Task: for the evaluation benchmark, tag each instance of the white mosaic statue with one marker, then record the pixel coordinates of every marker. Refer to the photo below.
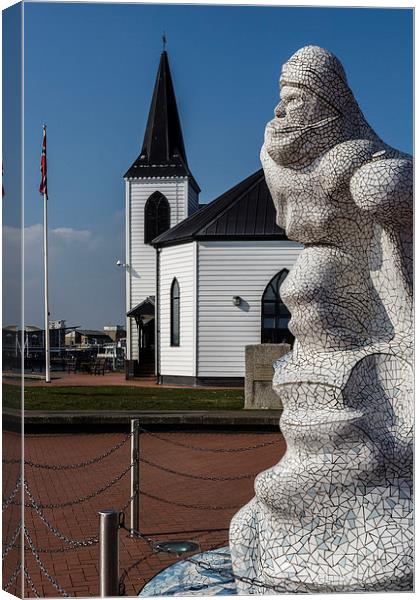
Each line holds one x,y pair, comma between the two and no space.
335,514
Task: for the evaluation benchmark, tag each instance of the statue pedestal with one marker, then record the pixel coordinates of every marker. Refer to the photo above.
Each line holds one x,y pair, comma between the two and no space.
335,514
211,577
259,371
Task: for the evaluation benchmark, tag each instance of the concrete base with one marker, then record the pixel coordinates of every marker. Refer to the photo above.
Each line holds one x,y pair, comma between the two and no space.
259,372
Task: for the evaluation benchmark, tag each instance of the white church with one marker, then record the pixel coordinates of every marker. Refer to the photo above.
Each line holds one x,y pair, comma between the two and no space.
202,281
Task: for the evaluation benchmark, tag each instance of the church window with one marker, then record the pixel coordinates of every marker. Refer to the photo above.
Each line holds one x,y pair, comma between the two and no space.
175,310
275,315
157,216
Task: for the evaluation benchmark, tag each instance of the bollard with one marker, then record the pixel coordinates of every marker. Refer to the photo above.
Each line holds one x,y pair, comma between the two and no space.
134,490
108,553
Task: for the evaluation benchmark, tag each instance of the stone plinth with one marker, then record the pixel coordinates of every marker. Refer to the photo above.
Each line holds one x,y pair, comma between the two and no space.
259,372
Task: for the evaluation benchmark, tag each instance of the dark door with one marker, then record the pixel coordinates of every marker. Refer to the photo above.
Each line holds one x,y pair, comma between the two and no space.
146,348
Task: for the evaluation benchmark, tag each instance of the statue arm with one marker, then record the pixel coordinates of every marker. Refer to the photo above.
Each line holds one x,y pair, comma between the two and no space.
384,189
271,169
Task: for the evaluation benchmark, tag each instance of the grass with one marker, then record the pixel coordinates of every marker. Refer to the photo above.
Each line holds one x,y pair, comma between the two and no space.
122,398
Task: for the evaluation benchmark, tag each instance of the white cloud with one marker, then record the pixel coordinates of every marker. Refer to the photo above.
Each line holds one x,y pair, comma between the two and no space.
86,288
71,235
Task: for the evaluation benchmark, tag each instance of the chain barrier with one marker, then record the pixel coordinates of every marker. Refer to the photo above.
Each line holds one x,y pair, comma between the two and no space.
127,571
12,542
30,582
10,499
74,543
42,567
202,477
152,543
185,505
80,465
83,498
127,504
202,449
12,577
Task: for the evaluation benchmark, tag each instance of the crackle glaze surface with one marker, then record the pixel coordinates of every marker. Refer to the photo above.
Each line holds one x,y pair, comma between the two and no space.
335,514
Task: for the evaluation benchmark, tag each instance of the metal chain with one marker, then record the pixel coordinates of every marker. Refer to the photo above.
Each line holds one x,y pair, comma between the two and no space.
12,577
127,571
75,543
203,477
80,465
184,505
202,449
58,550
30,582
15,490
152,543
131,498
43,570
11,461
12,541
83,498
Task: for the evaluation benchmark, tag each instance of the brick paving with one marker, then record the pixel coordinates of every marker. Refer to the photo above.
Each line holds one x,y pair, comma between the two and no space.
77,570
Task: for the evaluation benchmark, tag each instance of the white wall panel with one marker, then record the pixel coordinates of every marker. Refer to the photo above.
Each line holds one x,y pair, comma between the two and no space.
227,269
178,261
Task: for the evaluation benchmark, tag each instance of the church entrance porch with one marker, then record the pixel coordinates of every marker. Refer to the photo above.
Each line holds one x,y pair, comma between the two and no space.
144,365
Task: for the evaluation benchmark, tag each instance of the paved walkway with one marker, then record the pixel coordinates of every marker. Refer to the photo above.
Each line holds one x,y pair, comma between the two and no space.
62,378
76,570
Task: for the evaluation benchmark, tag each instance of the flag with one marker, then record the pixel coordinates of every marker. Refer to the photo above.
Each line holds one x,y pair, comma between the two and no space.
43,185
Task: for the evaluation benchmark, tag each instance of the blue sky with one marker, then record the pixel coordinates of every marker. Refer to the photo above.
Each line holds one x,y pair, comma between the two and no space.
89,74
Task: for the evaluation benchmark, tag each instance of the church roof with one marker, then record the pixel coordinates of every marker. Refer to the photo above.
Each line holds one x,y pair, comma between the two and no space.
246,211
163,151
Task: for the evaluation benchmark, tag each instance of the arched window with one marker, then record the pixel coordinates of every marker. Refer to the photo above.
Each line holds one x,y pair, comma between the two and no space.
175,299
275,315
157,216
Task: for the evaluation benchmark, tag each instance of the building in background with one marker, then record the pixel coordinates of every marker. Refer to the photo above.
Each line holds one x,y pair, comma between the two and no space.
200,284
115,332
219,274
87,337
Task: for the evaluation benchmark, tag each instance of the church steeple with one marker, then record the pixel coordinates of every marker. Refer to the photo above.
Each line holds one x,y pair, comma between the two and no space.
163,151
163,138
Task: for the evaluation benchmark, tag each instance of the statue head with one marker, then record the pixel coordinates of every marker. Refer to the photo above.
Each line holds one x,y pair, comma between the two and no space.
317,109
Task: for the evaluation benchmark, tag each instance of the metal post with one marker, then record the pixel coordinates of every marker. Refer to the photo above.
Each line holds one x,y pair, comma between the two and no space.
108,553
134,490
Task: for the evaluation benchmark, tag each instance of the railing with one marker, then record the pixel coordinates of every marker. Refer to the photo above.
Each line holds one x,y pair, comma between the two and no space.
111,521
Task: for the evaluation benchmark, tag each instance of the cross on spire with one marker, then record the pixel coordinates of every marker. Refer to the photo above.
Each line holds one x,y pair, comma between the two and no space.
164,40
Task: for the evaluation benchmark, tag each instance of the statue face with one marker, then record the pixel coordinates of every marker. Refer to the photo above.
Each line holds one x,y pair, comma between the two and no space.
302,126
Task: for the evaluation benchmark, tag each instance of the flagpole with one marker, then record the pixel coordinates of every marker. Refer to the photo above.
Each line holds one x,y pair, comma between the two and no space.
46,305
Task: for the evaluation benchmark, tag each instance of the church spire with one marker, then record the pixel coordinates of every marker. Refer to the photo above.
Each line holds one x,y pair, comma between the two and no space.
163,138
163,151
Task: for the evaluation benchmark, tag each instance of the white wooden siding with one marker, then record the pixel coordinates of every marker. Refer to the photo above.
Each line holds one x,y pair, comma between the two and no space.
227,269
179,262
141,257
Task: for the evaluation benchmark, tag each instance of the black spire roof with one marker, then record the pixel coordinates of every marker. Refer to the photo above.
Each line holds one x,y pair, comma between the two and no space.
163,152
246,211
